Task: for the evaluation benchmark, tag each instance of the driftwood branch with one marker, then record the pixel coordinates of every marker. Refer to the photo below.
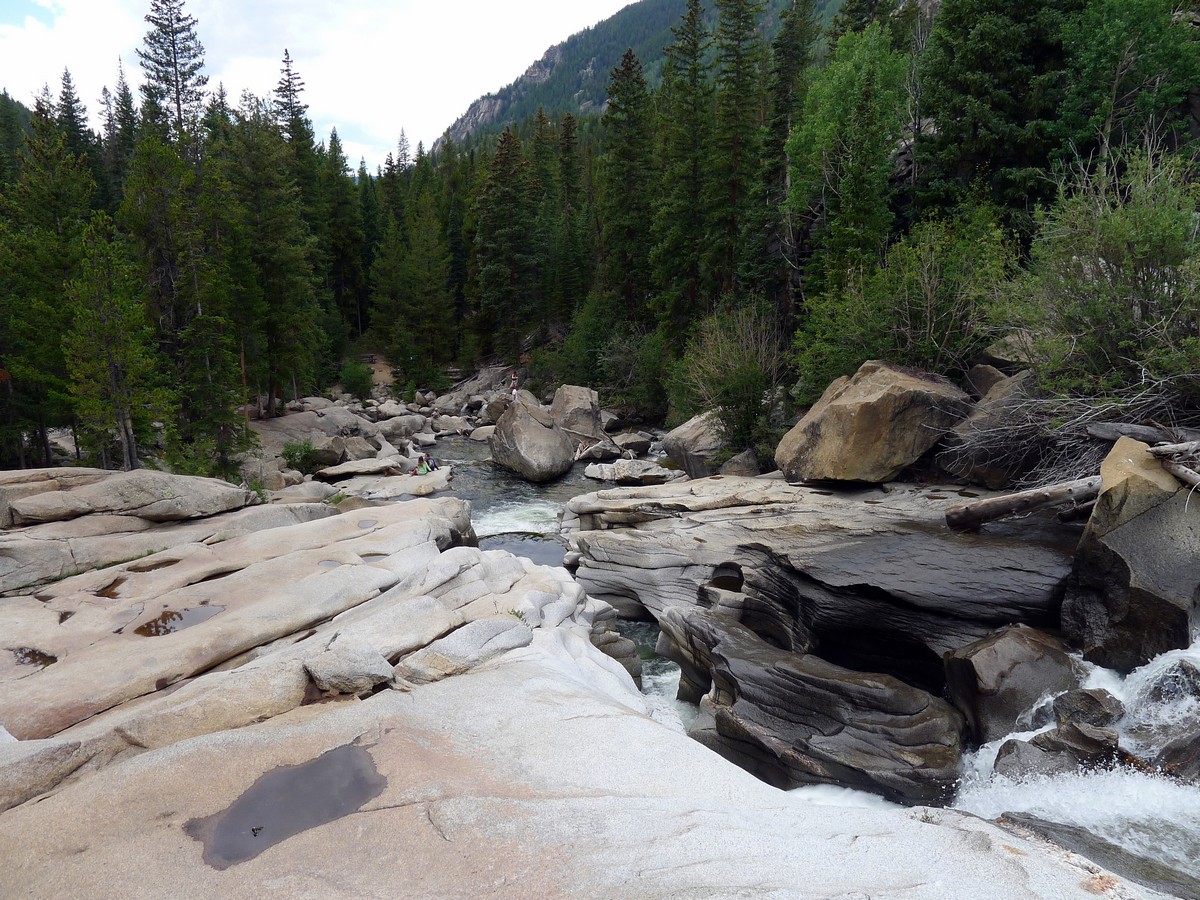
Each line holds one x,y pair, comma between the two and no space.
969,516
1188,448
1182,472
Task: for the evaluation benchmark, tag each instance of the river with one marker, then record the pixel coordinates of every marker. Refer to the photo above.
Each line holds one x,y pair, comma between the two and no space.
1150,815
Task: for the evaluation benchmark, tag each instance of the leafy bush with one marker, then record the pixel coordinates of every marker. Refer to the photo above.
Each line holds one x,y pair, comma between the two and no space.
1111,292
733,365
929,306
357,379
299,455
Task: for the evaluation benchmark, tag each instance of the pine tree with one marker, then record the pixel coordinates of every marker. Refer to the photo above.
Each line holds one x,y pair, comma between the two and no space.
108,348
993,82
424,277
42,214
72,118
504,253
343,217
734,150
680,211
627,170
288,334
172,62
771,265
120,136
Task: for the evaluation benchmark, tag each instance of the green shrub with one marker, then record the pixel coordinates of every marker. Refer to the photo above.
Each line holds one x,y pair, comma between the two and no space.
733,365
357,379
299,455
929,306
1111,292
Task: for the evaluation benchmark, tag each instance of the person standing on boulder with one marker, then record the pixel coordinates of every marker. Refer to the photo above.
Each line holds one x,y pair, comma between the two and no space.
513,384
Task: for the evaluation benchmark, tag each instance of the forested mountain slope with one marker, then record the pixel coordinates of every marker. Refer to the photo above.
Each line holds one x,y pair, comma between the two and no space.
573,76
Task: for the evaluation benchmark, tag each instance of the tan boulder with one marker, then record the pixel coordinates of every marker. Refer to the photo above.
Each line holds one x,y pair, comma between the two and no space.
872,426
576,410
694,445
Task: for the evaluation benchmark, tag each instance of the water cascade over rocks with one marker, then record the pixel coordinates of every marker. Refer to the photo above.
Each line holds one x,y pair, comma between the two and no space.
480,708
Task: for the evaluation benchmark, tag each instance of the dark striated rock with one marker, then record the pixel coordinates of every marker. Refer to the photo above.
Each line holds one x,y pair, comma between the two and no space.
795,719
1178,681
1094,706
995,680
868,580
1181,758
1136,580
1019,759
1090,745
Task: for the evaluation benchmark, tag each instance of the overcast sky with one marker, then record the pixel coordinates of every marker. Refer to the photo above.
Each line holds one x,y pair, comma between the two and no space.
371,67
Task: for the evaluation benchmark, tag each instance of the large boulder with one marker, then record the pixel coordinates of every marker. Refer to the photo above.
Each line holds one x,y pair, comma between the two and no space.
695,444
576,410
1136,579
968,455
867,579
145,493
528,442
995,680
795,719
872,426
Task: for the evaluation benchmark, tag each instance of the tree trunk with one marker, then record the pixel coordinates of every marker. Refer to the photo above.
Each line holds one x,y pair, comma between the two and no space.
969,516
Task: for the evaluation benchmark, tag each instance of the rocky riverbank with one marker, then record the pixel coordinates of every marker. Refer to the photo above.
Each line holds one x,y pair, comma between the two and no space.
355,700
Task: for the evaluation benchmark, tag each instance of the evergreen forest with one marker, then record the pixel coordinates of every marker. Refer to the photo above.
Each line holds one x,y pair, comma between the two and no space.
783,200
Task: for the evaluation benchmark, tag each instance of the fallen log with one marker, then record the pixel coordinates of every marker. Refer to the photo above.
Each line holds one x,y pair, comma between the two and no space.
969,516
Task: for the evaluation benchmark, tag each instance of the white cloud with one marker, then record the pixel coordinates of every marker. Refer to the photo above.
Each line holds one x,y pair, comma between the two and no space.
371,67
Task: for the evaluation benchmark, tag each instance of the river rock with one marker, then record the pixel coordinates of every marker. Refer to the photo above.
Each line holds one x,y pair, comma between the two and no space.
744,464
632,442
1093,706
1181,758
361,467
1135,581
144,493
632,471
528,442
576,410
871,426
1090,745
20,483
867,579
451,425
464,649
966,456
694,445
1019,760
306,492
794,719
994,680
348,666
402,427
483,433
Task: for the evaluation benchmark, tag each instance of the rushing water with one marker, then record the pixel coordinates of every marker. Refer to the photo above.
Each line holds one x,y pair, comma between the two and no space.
1150,815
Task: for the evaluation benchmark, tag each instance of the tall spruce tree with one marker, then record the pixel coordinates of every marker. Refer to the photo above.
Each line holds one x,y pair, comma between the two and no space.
627,171
685,101
172,62
344,277
42,214
771,265
109,348
734,149
993,81
504,255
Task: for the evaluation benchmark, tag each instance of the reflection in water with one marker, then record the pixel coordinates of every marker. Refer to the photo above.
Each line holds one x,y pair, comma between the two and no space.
287,801
545,551
173,620
28,656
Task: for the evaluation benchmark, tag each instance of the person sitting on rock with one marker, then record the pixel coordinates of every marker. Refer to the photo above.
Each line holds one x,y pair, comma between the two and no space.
422,465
